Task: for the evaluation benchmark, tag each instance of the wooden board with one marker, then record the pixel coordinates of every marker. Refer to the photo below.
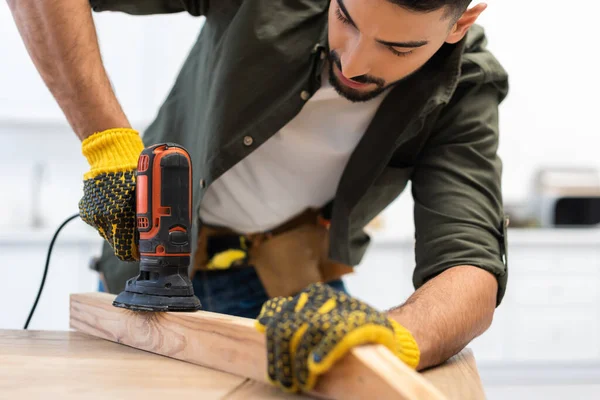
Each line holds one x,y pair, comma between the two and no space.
233,345
74,365
458,378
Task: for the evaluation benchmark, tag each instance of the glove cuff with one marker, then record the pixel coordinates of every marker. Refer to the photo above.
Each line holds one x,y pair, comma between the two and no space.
112,150
407,348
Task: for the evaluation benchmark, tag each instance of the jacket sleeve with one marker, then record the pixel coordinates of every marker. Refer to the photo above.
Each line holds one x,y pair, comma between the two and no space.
146,7
456,186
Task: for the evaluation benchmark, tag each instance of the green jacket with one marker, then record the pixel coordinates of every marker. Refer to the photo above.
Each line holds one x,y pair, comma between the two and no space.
252,68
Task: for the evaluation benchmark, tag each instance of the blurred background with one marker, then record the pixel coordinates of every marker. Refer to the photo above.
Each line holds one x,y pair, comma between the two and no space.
545,339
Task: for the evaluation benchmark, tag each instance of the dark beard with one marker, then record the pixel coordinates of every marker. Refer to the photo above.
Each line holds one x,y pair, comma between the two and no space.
352,94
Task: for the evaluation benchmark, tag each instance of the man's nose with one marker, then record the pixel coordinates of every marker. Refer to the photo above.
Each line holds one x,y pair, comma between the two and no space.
355,60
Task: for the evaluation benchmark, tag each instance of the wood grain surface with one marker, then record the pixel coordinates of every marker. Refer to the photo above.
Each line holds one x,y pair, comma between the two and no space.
74,365
457,378
232,344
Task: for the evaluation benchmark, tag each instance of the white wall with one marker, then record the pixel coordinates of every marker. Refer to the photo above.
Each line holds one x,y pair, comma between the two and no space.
141,54
549,49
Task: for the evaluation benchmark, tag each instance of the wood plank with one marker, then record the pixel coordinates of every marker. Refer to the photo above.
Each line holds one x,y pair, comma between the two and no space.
458,377
233,345
73,365
254,390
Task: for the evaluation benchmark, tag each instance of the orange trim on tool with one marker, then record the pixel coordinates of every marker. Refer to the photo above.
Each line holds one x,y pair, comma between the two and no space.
142,194
164,210
143,162
142,223
156,190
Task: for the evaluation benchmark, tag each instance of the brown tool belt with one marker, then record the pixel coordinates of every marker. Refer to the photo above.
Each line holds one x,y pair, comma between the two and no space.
286,259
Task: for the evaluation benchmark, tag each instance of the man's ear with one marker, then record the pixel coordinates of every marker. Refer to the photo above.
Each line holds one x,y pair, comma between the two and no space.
460,28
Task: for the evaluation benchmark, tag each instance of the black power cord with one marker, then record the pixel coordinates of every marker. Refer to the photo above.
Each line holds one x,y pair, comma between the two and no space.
46,268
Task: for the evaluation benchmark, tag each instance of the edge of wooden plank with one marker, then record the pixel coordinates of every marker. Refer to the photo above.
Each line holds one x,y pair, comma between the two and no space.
232,344
458,377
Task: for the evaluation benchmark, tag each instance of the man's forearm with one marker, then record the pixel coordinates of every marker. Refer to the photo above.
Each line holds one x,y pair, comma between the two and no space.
60,38
449,311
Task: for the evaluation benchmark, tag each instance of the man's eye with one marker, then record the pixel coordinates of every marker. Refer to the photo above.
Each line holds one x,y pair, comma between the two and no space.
400,53
339,16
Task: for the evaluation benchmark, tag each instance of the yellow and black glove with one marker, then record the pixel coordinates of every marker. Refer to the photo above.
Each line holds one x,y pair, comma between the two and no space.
308,333
108,202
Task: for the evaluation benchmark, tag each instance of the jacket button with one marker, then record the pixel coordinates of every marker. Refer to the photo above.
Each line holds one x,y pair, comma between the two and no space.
304,95
202,183
248,140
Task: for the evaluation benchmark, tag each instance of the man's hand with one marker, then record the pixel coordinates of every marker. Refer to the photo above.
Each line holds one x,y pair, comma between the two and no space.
308,333
108,202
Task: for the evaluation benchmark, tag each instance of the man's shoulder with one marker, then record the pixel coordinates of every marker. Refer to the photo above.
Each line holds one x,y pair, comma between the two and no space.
478,63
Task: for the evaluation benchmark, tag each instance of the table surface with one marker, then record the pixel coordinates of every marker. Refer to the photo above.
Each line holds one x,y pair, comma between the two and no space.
74,365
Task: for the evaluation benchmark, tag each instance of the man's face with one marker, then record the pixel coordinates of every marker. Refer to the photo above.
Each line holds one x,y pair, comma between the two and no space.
374,44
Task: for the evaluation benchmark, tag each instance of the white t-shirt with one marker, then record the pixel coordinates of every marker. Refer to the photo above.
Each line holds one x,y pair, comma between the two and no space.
298,167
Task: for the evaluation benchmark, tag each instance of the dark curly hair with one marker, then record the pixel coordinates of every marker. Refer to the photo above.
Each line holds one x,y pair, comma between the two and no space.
455,8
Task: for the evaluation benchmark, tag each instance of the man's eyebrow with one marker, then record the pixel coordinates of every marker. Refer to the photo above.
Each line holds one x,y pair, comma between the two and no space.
411,44
345,11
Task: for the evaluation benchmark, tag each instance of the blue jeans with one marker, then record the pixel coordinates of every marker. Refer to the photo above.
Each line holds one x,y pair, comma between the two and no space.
237,291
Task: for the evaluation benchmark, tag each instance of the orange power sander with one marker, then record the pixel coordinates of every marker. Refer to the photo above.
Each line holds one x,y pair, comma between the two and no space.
164,215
